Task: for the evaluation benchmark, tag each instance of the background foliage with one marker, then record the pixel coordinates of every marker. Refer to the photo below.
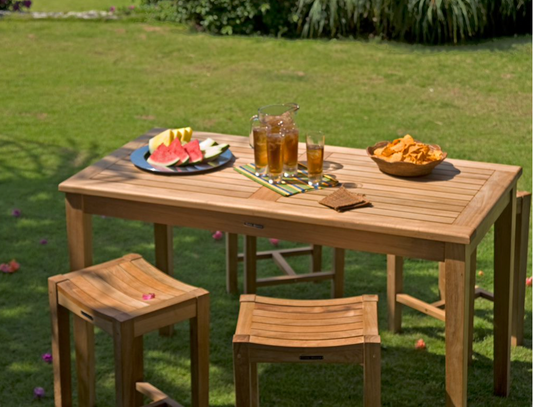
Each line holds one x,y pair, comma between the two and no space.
426,21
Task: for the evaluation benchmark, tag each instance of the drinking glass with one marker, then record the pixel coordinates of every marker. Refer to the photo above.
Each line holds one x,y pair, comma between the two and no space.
290,150
275,157
315,157
258,141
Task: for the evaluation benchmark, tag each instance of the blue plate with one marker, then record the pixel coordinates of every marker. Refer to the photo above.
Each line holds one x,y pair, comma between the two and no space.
139,156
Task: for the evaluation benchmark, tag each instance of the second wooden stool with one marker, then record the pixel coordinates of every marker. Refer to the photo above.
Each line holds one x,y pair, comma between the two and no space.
273,330
126,298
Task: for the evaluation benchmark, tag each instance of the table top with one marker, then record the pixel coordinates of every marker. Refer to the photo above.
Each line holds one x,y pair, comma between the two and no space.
449,205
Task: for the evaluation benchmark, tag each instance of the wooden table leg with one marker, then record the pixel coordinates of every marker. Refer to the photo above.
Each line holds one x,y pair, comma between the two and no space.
199,333
459,278
232,263
394,286
164,259
504,236
79,233
316,259
250,264
338,269
520,267
85,361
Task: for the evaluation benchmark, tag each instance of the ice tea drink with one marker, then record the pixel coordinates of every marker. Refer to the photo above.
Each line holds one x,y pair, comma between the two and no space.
260,149
290,151
315,158
275,157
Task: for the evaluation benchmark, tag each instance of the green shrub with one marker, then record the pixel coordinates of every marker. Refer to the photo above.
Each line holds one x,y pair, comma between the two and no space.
425,21
230,16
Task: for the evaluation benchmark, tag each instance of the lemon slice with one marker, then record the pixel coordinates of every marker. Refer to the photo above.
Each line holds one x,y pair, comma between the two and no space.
165,137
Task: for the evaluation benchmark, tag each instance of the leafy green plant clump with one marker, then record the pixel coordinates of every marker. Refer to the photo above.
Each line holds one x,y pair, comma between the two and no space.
425,21
14,5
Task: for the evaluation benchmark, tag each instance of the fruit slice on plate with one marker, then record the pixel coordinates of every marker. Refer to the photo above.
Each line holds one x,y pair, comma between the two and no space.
184,134
177,148
204,145
212,152
163,157
193,149
166,137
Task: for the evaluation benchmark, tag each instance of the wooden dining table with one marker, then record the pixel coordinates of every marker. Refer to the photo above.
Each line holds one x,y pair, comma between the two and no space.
440,217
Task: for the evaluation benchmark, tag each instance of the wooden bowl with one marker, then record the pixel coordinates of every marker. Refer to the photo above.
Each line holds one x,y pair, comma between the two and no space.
402,168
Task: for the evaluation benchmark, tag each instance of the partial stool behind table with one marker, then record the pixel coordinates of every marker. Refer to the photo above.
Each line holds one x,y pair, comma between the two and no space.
271,330
110,296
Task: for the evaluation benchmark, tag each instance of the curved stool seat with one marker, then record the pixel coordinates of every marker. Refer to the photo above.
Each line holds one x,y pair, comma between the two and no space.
127,298
273,330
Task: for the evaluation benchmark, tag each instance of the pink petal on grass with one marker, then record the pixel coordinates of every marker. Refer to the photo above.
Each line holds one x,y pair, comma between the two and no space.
420,345
16,213
132,7
218,235
529,281
274,242
38,392
112,9
148,297
5,268
43,241
13,266
47,357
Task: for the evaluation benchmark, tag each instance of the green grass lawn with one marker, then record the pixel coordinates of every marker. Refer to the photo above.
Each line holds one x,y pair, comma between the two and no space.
76,5
74,91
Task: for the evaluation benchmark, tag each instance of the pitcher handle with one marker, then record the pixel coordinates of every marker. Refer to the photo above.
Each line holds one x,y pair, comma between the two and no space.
254,118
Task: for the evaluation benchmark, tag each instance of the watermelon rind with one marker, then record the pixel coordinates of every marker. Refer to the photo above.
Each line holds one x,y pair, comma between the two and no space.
223,147
167,163
212,153
207,143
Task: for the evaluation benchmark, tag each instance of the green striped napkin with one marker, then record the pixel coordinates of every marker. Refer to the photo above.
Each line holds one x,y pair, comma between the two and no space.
289,186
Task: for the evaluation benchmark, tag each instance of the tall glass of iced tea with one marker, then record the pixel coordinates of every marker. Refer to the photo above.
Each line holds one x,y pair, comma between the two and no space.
258,141
275,157
290,150
315,157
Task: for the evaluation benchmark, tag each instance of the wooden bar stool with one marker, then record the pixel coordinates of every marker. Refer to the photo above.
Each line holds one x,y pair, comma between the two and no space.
396,297
273,330
110,296
250,257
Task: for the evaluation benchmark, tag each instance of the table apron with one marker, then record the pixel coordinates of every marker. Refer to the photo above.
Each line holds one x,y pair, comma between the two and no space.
344,238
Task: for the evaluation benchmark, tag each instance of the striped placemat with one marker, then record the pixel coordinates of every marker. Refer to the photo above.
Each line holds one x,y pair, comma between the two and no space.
289,186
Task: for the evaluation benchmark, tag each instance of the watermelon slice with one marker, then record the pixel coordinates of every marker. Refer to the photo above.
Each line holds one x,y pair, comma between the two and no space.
163,157
176,148
193,149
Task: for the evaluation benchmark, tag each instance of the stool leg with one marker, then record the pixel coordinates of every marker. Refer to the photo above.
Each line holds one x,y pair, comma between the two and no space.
164,259
372,375
232,263
128,365
84,344
250,264
242,371
338,270
394,286
60,347
254,385
199,329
